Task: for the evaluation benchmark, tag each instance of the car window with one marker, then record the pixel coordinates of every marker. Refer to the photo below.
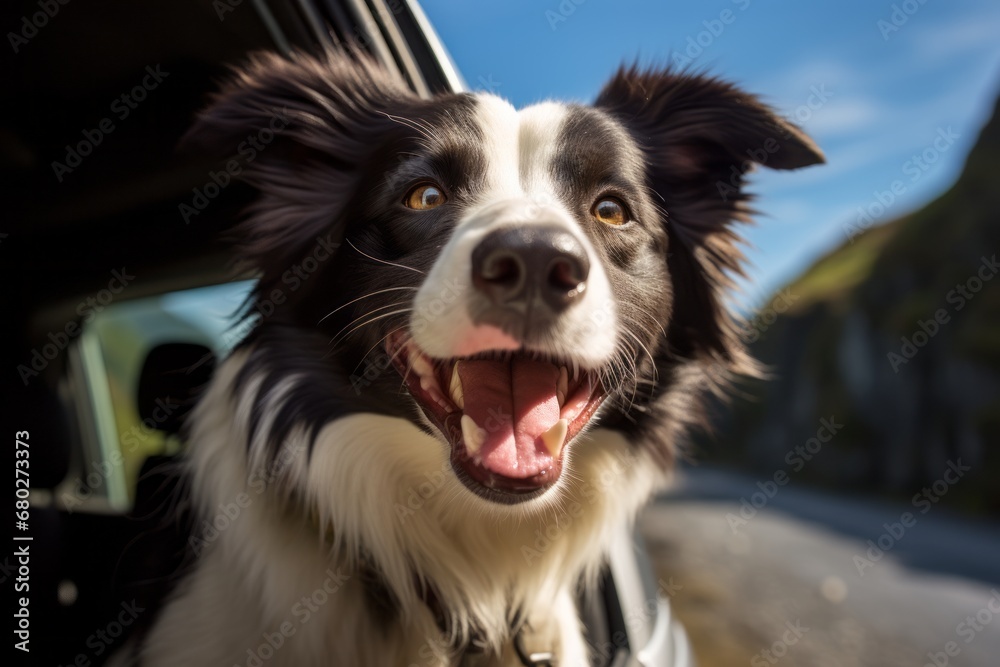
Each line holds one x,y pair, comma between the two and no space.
113,347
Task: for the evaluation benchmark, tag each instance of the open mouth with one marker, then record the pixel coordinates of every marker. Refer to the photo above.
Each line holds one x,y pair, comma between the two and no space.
508,416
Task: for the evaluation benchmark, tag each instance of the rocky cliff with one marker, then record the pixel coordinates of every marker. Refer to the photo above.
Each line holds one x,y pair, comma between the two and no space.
896,336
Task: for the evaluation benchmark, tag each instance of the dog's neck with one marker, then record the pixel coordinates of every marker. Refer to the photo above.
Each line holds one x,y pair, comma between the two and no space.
474,649
482,566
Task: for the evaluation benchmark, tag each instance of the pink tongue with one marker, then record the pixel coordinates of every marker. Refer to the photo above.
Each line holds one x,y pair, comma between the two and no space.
511,421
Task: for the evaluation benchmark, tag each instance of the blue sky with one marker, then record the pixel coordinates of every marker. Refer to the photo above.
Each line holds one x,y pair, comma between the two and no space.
889,92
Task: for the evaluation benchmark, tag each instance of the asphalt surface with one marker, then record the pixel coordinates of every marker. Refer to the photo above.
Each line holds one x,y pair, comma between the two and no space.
789,576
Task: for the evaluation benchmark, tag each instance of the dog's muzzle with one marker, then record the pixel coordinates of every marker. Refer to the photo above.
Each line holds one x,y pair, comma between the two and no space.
526,277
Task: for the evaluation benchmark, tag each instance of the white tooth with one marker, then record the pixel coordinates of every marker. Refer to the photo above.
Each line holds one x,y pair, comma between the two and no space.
420,364
430,386
472,434
555,437
563,385
456,390
576,370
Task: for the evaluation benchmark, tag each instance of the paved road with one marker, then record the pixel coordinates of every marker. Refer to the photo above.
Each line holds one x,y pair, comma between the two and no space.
752,582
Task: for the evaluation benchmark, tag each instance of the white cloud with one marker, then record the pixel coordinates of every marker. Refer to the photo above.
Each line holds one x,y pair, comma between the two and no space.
790,88
846,115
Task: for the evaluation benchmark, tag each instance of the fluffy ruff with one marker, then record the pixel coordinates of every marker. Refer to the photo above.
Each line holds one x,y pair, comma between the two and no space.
382,497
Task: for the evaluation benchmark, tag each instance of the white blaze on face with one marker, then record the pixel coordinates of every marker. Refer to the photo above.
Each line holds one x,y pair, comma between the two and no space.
519,149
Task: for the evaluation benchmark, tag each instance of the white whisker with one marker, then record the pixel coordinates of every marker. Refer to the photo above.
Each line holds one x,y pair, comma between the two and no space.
382,261
372,348
365,296
370,321
366,314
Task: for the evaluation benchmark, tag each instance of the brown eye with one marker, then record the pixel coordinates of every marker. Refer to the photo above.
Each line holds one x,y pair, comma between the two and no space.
425,197
610,211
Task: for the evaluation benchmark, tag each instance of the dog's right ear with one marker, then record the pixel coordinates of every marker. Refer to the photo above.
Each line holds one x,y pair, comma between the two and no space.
300,130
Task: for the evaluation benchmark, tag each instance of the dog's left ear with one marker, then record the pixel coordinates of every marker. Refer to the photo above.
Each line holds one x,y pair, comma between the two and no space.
700,136
301,130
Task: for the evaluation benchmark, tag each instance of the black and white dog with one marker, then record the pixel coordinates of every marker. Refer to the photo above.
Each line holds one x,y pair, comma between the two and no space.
507,322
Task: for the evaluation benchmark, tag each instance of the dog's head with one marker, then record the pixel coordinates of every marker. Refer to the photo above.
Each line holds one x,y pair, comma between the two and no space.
503,279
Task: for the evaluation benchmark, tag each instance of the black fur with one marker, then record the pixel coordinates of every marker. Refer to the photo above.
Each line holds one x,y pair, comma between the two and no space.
661,141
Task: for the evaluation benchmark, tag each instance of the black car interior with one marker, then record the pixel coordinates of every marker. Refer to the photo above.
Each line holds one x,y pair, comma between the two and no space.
65,230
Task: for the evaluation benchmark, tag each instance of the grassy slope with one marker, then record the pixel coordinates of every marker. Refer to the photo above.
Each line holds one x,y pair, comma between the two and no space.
936,243
889,279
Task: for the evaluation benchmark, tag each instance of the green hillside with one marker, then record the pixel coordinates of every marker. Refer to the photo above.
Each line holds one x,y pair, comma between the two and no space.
897,334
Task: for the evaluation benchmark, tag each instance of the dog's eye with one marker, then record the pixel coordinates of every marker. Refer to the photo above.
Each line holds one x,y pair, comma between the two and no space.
610,211
425,197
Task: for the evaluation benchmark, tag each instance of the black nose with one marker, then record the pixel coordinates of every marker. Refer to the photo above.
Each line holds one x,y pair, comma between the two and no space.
516,265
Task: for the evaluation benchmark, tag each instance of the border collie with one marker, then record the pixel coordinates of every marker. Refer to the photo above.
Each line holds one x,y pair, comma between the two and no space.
491,329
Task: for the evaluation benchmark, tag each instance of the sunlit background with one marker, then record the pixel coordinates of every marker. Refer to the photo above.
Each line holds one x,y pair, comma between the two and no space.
885,90
844,512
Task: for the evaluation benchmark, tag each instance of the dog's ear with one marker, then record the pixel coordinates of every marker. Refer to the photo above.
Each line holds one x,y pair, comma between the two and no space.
700,136
301,131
